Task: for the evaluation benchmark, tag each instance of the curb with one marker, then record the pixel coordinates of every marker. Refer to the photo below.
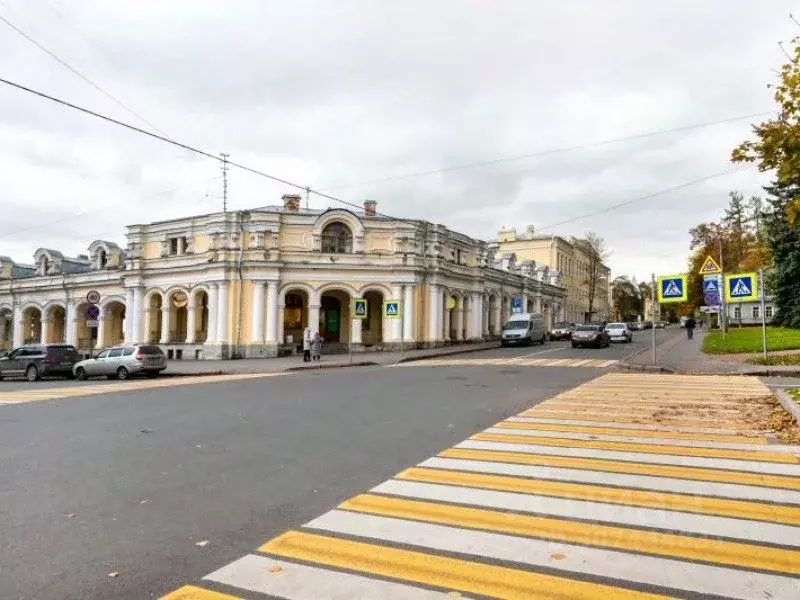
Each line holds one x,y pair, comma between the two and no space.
363,363
789,404
644,368
451,353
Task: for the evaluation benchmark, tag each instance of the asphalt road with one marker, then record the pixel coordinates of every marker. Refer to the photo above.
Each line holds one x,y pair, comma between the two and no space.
129,483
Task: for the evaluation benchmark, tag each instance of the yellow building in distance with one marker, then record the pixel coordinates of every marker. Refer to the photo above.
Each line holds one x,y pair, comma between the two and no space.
247,283
570,261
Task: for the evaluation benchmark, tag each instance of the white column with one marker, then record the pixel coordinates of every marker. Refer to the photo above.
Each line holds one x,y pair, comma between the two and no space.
355,331
445,320
213,301
44,330
165,325
127,328
101,329
434,307
137,308
459,318
313,316
397,324
257,331
498,317
3,328
222,313
17,321
524,303
191,320
272,312
408,313
71,324
476,321
485,319
537,303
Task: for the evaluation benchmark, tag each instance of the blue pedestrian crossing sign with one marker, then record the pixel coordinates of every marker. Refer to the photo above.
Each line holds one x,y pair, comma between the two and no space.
391,309
672,288
360,308
741,287
711,284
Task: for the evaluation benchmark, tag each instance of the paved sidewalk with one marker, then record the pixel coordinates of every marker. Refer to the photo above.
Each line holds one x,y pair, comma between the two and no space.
290,363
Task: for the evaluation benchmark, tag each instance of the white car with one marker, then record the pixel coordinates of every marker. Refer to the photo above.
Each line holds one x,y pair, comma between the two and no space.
619,332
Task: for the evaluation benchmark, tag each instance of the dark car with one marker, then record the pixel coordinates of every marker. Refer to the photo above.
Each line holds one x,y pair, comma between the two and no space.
590,335
35,361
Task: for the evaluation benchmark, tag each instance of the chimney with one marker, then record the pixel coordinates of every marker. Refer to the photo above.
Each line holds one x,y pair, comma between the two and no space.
291,202
369,208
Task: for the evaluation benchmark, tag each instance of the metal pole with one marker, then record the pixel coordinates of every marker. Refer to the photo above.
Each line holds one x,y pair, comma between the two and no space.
763,312
653,315
350,337
402,320
723,322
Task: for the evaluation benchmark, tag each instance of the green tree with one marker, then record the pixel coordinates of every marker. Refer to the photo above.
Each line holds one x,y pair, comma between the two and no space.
783,241
625,298
597,253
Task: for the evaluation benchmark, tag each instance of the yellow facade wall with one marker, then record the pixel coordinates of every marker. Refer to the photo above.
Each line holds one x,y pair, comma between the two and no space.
151,250
202,242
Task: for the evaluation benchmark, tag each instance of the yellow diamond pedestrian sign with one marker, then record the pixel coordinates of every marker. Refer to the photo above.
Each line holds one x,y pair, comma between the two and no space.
741,287
710,267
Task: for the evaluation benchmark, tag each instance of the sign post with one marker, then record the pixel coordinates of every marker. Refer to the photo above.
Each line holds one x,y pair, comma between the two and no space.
392,309
763,311
360,311
653,329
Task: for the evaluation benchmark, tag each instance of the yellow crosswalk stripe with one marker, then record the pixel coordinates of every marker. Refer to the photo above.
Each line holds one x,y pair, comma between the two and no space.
644,419
190,592
447,573
740,509
738,554
630,468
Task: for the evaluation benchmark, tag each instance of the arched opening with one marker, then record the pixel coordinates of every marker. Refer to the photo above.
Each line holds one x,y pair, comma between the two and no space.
295,316
114,326
86,327
466,318
44,265
201,316
337,238
57,330
6,330
334,317
452,322
102,259
530,308
31,325
372,326
178,316
154,319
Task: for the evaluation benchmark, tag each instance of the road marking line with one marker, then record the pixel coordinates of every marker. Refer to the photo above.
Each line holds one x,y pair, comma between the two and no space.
587,510
443,572
739,509
748,556
629,425
191,592
295,581
641,457
633,439
591,408
621,566
613,466
641,482
619,431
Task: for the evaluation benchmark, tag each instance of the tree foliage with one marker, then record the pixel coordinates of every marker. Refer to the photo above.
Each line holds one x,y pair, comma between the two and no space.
597,253
783,240
626,299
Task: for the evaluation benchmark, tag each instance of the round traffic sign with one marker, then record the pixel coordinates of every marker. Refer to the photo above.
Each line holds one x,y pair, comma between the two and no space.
92,312
93,297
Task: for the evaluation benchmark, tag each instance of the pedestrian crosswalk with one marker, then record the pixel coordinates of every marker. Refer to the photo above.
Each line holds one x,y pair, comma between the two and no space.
36,394
589,363
677,492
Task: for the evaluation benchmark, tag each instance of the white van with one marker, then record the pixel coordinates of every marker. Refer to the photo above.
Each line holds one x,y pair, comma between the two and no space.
523,328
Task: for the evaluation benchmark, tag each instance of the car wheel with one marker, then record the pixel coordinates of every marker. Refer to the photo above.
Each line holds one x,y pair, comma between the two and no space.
32,373
123,373
81,374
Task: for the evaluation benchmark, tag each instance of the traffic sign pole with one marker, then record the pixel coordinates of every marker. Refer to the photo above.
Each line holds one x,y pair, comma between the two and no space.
653,329
723,323
763,312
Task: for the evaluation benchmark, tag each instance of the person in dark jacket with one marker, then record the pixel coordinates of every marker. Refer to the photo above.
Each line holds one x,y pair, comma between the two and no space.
690,325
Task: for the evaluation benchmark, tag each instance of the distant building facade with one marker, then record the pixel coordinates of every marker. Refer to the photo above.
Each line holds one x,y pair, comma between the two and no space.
555,253
247,283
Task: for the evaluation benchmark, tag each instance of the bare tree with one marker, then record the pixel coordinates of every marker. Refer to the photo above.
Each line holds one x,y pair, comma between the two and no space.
596,251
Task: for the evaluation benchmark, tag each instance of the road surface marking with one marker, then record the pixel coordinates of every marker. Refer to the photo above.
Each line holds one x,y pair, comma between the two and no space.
190,592
443,572
520,361
638,425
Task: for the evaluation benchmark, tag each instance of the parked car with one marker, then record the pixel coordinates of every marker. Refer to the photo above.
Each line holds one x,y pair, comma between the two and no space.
619,332
562,330
523,328
35,361
590,335
122,362
661,324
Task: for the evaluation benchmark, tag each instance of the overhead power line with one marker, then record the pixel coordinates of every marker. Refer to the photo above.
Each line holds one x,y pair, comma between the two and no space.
563,149
298,186
75,71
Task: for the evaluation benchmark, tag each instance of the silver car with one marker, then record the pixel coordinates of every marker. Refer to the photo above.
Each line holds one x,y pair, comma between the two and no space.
619,332
121,362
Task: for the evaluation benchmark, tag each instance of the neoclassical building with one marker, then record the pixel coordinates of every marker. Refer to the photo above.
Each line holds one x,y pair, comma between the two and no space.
247,283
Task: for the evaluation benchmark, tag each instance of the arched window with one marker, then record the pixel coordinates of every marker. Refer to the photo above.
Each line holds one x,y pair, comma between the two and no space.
44,265
102,259
337,239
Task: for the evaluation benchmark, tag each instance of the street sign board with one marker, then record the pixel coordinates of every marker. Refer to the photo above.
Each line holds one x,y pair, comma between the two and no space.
672,288
741,287
710,267
516,304
93,297
92,323
391,309
712,289
92,312
360,308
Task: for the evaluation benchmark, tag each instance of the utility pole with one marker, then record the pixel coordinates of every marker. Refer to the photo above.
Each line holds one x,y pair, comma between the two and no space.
653,316
762,298
224,168
723,323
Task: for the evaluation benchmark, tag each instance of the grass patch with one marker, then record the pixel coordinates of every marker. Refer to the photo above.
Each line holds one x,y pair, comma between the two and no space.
783,360
748,339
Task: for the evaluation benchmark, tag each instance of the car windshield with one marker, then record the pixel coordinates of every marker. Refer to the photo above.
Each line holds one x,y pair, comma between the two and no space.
561,325
151,350
587,328
616,326
516,325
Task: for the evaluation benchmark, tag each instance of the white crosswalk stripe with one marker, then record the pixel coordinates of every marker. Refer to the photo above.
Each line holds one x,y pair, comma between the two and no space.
592,363
593,505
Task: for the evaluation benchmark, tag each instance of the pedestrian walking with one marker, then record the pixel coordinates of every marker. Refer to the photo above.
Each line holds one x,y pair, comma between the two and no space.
690,323
307,338
316,346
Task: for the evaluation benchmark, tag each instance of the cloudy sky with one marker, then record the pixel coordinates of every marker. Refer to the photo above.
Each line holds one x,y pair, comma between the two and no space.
336,94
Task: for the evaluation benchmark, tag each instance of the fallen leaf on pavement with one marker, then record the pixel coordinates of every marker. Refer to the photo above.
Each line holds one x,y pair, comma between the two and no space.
114,574
275,569
203,543
558,556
